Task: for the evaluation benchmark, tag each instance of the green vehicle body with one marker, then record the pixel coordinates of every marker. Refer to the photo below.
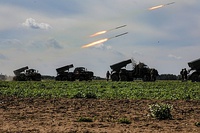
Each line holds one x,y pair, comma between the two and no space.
79,73
139,71
26,74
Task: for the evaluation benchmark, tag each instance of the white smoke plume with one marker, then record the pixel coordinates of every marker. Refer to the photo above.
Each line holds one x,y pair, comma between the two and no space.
174,56
31,23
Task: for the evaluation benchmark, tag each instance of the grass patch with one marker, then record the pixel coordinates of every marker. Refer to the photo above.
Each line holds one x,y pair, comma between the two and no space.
91,95
197,124
85,119
159,90
124,121
161,111
79,95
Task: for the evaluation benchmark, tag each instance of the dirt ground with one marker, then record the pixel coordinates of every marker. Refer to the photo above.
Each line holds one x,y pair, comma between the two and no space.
63,115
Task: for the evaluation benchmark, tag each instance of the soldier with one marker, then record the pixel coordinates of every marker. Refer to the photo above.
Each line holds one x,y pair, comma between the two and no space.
185,74
107,75
153,74
182,74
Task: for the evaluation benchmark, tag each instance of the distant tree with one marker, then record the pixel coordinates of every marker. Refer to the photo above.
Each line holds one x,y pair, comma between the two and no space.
48,77
98,78
167,77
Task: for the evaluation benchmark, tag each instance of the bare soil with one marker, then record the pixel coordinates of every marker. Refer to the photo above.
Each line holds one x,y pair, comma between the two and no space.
24,115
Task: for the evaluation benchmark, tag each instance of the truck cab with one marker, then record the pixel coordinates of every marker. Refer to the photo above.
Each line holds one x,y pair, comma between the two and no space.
195,69
81,73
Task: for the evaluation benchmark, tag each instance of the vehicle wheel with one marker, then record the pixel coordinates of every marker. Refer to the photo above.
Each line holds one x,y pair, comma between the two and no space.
72,79
81,78
28,79
130,79
58,78
195,77
146,78
123,78
114,77
64,78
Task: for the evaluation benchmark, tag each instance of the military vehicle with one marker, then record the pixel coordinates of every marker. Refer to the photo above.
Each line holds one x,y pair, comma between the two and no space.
140,71
195,67
79,73
63,73
26,74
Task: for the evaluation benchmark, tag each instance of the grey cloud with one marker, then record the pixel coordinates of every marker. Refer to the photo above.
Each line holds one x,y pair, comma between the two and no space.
52,43
109,49
43,45
31,23
174,56
10,43
3,57
136,53
103,47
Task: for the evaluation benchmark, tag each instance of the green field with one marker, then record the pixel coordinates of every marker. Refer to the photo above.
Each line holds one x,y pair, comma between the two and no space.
162,90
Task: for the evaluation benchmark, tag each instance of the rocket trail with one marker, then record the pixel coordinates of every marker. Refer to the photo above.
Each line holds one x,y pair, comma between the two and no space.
105,31
118,35
160,6
98,33
155,7
118,27
169,3
102,41
121,34
95,43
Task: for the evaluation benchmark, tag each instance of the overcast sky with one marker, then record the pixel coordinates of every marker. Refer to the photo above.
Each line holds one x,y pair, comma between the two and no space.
47,34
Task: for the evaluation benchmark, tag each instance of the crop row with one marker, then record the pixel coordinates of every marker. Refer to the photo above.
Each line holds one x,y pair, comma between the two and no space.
163,90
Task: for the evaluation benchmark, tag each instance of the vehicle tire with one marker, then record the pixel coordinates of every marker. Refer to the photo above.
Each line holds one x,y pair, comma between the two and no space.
130,79
58,78
64,79
72,79
37,77
123,78
115,77
146,78
22,77
195,77
81,78
28,79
